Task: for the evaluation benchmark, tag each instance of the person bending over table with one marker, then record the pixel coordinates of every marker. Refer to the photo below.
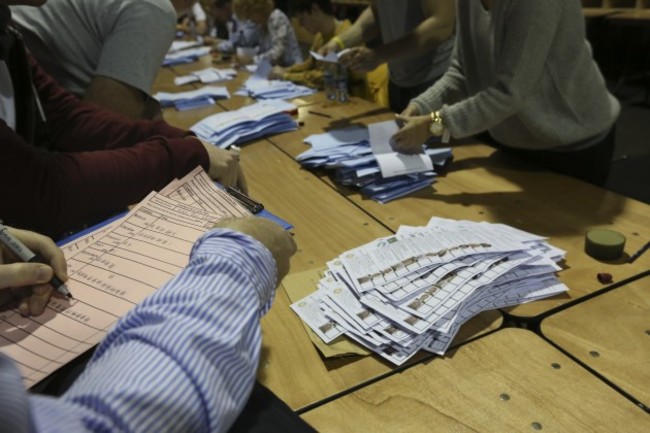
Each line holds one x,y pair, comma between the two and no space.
277,40
68,163
107,52
522,71
416,42
183,360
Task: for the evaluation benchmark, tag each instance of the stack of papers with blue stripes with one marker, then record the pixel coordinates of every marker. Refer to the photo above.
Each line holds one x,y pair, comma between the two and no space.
376,170
259,87
247,123
206,76
185,56
193,98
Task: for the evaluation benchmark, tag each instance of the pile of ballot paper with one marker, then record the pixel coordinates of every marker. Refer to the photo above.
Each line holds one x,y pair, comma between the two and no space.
183,56
247,123
363,158
258,86
412,291
192,99
206,76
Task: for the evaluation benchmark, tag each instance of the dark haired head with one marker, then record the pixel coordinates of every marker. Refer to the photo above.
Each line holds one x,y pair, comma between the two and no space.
301,6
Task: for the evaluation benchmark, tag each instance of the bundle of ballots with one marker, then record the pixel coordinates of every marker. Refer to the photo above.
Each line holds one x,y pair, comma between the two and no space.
413,291
206,76
362,157
189,55
192,99
258,85
247,123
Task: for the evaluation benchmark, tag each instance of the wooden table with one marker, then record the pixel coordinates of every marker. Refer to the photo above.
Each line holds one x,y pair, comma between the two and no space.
611,335
326,224
482,185
509,381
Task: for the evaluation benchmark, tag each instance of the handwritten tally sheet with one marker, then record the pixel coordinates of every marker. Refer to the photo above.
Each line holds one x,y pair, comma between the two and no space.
111,270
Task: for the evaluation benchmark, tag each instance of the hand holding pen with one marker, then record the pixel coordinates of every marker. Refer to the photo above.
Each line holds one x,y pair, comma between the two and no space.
30,266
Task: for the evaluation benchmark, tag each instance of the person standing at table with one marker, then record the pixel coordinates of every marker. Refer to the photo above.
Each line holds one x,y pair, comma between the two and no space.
232,31
416,41
522,71
68,163
317,17
107,52
184,359
277,40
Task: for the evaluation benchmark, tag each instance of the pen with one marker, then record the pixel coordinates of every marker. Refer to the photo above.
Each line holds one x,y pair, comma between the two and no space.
638,253
26,255
319,114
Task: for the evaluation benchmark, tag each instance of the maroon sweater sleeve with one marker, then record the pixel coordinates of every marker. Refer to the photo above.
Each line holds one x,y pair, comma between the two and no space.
97,163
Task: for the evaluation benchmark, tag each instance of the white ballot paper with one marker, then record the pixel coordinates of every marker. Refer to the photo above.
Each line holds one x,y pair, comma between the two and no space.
413,291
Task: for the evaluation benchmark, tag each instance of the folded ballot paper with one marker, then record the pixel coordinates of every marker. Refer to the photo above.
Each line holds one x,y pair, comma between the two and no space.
192,99
362,157
330,57
247,123
188,55
258,85
206,76
413,291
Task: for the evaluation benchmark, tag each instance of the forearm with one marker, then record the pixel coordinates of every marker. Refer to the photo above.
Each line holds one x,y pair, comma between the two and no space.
429,34
364,29
188,354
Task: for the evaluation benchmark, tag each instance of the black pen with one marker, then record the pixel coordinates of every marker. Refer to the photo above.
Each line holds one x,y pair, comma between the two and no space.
319,114
26,255
638,253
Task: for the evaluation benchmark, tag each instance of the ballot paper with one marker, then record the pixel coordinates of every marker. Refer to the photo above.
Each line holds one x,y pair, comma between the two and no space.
413,291
183,56
258,85
206,76
247,123
330,57
192,99
361,157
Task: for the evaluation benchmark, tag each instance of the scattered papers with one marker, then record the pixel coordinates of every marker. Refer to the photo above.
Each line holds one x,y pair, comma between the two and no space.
185,56
206,76
193,98
247,123
412,291
331,57
259,87
348,152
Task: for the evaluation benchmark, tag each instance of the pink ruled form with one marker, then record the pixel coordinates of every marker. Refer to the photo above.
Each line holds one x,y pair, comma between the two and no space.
111,270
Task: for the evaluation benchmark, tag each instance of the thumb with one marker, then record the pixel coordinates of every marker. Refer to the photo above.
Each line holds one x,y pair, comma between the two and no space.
24,274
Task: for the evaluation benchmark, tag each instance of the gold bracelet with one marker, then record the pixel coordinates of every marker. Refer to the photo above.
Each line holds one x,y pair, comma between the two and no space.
339,42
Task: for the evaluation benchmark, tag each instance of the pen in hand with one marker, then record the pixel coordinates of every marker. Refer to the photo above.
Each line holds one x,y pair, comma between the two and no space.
26,255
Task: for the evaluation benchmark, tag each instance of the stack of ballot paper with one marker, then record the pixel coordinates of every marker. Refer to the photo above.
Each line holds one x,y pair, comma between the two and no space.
258,85
206,76
247,123
193,98
189,55
362,158
412,291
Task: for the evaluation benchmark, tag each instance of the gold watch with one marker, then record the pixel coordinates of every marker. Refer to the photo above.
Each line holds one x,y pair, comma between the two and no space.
436,127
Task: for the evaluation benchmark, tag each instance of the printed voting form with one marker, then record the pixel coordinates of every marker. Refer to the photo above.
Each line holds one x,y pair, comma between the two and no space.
111,270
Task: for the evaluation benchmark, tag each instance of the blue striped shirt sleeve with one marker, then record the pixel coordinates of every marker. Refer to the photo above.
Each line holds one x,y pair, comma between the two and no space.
185,358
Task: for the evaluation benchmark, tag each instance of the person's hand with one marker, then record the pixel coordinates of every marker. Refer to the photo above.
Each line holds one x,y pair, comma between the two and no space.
277,240
360,59
28,283
225,168
410,110
412,135
277,73
330,47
